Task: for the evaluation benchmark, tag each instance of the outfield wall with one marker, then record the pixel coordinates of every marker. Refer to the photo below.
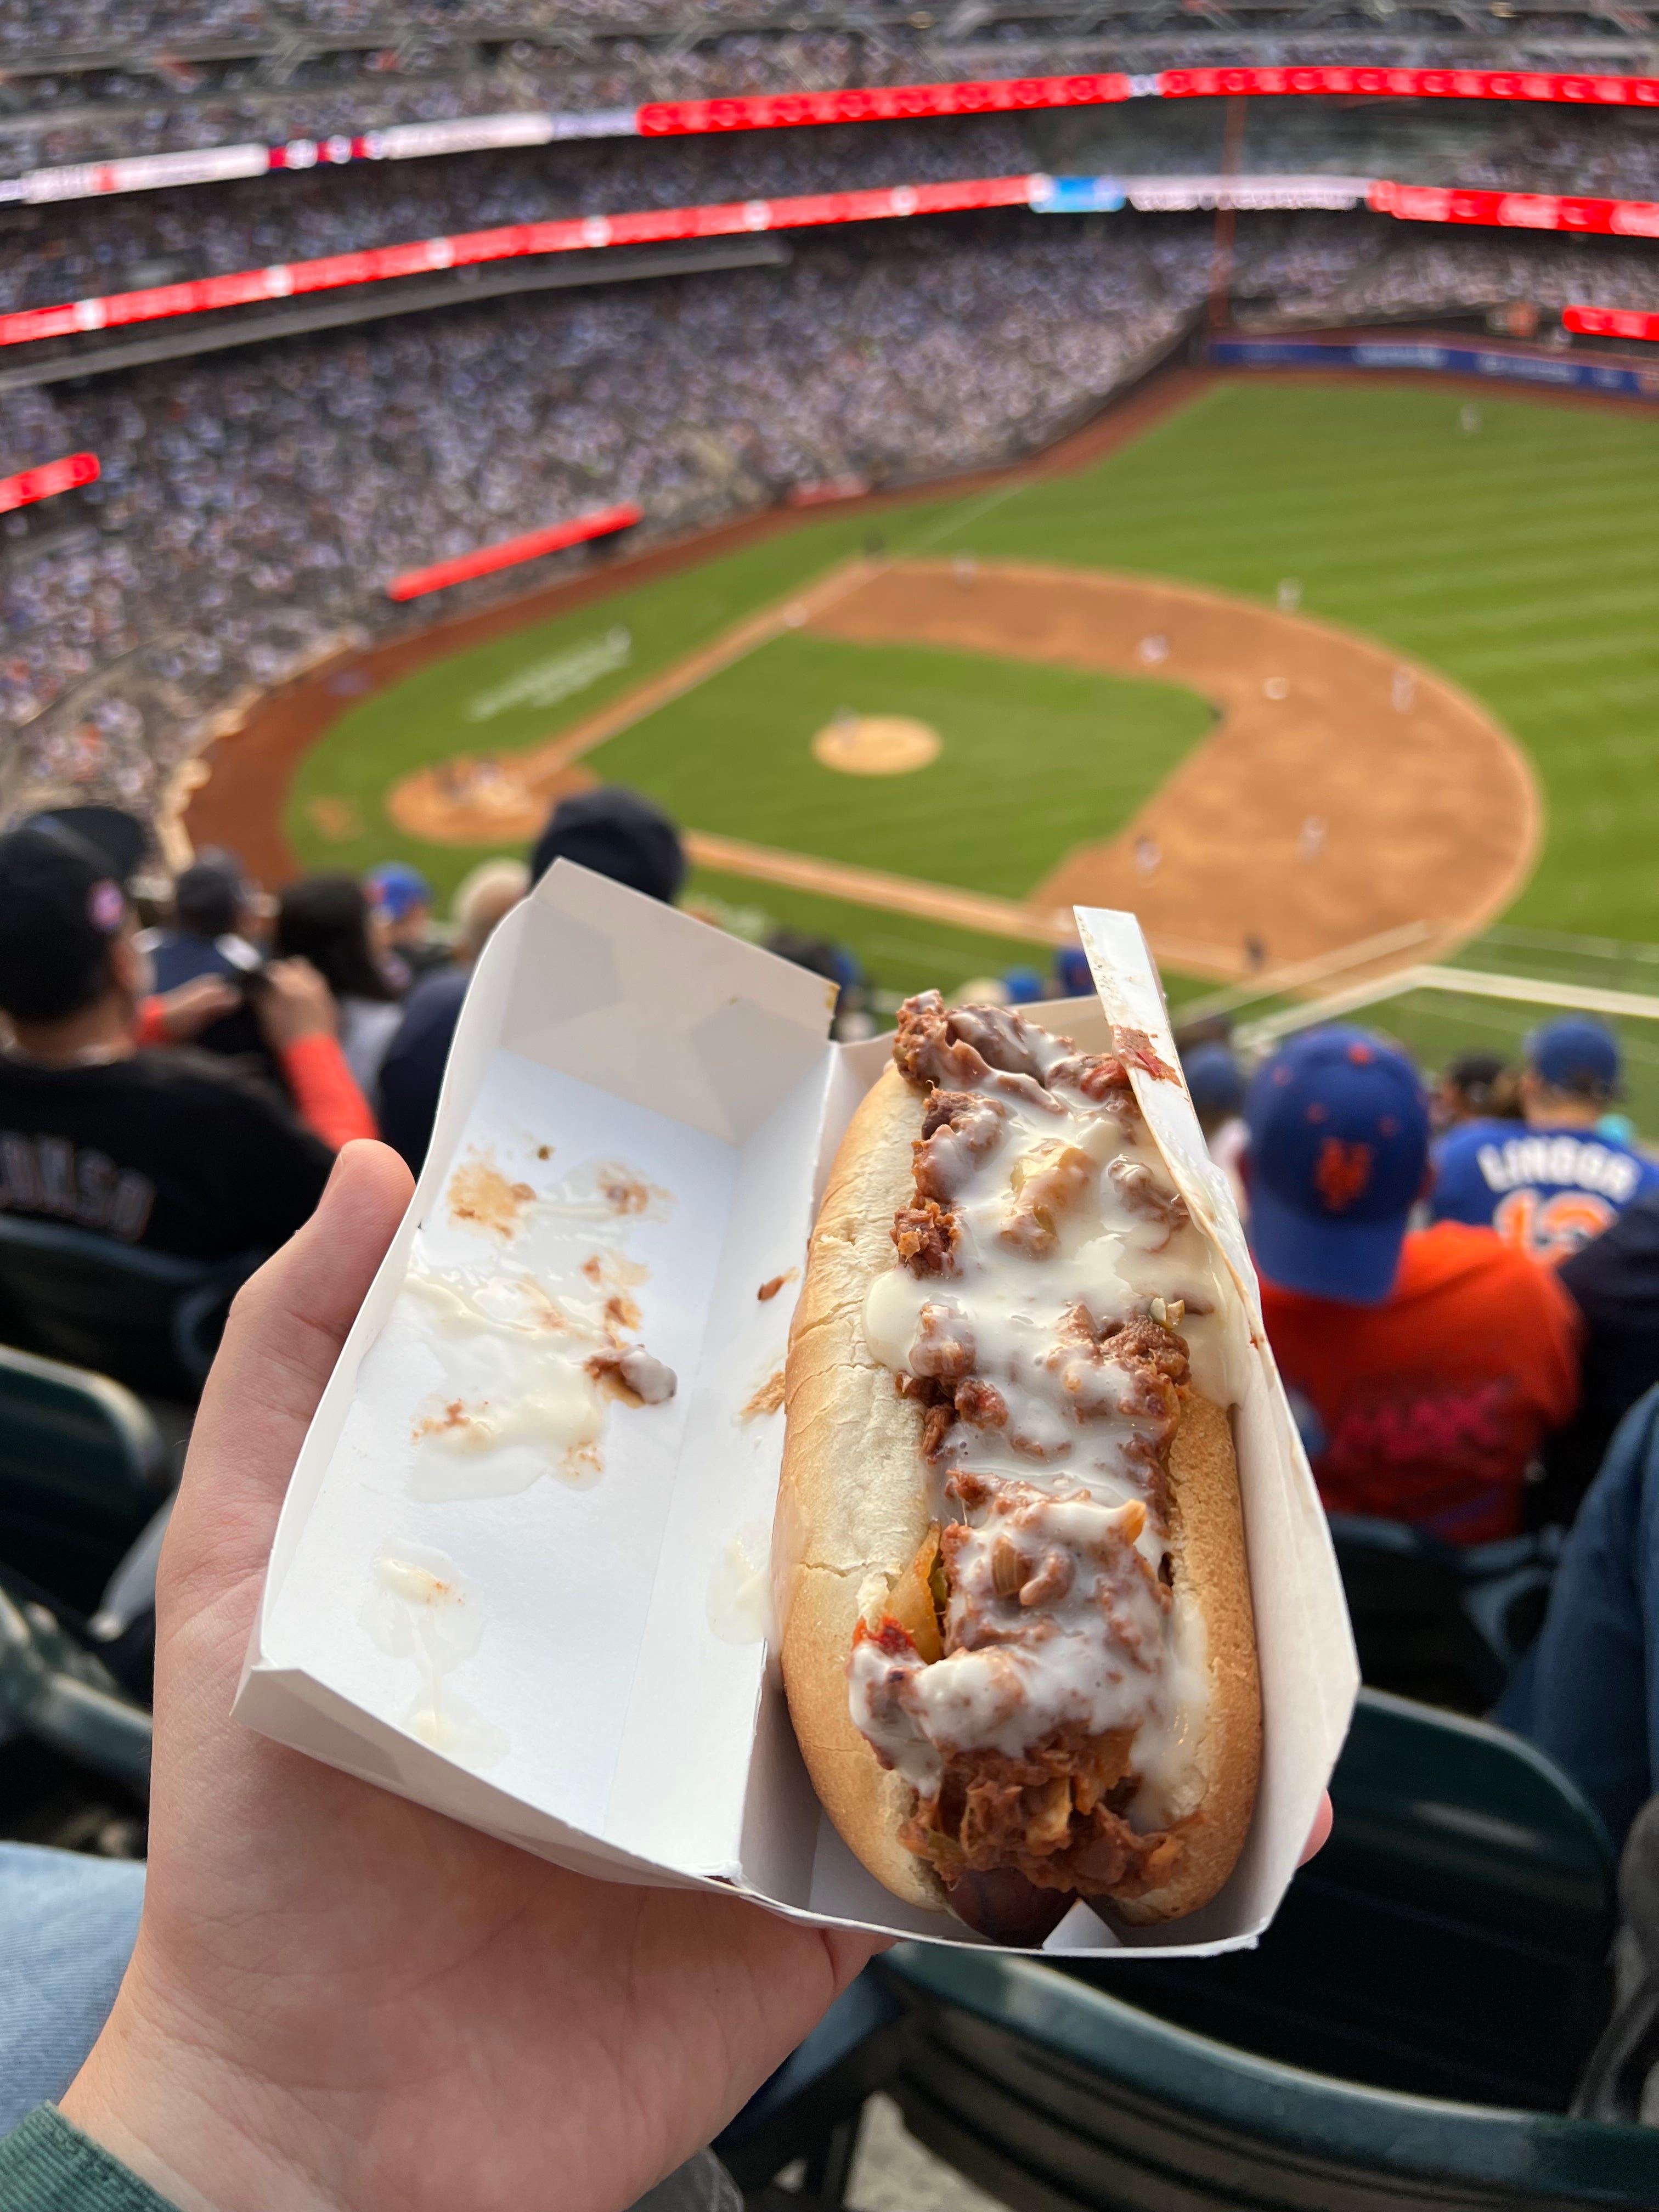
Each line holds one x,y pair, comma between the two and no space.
1501,364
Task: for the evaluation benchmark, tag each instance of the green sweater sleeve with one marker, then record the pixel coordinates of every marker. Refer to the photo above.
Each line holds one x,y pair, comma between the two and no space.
47,2165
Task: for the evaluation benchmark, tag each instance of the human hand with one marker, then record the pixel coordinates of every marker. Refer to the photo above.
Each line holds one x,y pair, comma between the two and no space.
1319,1834
294,1002
339,1999
185,1013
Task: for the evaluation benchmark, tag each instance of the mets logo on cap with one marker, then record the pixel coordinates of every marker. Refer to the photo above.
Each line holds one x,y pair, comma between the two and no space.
1339,1146
105,906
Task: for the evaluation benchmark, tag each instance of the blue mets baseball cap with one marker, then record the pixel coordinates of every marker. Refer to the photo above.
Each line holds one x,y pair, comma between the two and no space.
397,889
1575,1053
1338,1140
1072,973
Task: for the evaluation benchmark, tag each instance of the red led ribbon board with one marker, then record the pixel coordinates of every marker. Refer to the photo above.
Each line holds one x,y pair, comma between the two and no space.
53,477
1412,84
507,552
1516,210
673,118
577,234
1611,323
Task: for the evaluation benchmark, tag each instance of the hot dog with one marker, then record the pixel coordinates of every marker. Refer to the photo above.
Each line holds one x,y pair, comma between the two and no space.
1017,1642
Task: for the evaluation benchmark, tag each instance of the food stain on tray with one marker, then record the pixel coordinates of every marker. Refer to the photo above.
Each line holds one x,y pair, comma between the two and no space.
738,1608
769,1289
481,1197
538,1342
419,1608
768,1399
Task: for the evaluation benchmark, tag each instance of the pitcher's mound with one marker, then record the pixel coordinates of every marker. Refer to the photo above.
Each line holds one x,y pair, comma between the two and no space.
875,744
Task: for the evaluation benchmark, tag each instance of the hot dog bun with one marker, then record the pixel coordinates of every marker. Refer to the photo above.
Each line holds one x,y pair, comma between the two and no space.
856,1501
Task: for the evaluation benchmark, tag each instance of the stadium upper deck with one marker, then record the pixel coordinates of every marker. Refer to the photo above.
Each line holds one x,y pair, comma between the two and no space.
84,81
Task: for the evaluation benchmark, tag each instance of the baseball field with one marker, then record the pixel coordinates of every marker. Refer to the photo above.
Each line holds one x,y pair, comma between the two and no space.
1298,662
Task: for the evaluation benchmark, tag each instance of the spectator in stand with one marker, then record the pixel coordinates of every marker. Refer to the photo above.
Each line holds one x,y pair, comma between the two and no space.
412,1074
170,1148
400,923
1613,1280
612,831
324,919
1215,1083
1476,1086
1549,1188
1588,1691
1073,977
1425,1367
215,925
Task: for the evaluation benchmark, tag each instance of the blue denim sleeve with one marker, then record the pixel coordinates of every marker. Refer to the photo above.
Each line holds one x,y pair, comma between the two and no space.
67,1924
1595,1690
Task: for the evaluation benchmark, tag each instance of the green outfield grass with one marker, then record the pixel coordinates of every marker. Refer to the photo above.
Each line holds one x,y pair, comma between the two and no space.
1034,760
1520,559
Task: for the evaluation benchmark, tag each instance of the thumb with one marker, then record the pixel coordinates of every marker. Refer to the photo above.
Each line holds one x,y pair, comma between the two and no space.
281,1342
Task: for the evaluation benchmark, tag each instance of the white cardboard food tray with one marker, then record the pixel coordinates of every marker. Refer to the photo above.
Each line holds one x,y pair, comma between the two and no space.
602,1705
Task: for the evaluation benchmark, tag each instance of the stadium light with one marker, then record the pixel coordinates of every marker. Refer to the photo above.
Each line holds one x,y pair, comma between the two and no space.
46,482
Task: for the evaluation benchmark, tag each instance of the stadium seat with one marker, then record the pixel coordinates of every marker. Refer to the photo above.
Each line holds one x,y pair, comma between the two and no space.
1450,1940
83,1470
1443,1623
1449,1944
809,2110
1057,2098
150,1320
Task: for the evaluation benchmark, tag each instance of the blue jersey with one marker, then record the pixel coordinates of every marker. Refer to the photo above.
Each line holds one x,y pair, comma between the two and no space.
1548,1191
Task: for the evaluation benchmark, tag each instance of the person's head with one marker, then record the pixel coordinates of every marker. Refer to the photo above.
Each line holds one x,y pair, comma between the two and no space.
399,902
67,954
616,834
1216,1084
1073,977
120,840
483,898
1473,1087
1338,1151
324,919
1571,1072
210,899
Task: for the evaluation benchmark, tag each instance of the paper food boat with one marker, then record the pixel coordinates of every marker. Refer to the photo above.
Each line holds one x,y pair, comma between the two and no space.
568,1654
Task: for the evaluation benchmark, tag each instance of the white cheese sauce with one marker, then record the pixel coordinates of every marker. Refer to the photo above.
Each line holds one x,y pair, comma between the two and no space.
536,1340
1061,1615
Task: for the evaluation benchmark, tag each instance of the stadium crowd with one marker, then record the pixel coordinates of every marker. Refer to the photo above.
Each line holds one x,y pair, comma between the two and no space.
253,504
141,80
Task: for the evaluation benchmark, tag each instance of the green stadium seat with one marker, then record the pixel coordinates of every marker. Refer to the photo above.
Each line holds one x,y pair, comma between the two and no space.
1443,1623
1057,2098
149,1320
82,1471
1451,1939
1410,2030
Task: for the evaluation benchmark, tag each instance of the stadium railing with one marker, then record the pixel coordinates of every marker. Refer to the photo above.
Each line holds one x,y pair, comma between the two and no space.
1432,1988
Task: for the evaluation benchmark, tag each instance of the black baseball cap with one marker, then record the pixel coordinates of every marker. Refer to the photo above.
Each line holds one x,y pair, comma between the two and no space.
119,839
60,908
618,834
